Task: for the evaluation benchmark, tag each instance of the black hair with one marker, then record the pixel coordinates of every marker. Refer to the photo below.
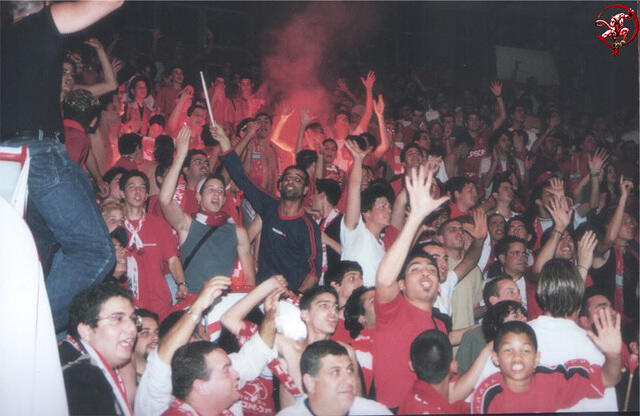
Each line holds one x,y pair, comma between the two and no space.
129,143
305,158
168,322
188,365
242,125
305,175
499,180
431,355
87,303
316,127
330,188
211,176
146,313
112,173
527,226
344,267
190,154
370,139
313,354
457,183
120,234
131,174
373,192
416,254
412,145
514,327
194,106
560,288
463,138
263,114
495,316
329,140
491,287
157,119
160,171
590,292
354,309
132,86
502,245
310,294
163,149
80,105
493,140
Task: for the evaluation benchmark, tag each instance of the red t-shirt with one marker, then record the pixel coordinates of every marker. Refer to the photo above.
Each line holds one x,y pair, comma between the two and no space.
455,211
470,166
551,388
397,324
341,333
76,141
424,399
159,246
363,347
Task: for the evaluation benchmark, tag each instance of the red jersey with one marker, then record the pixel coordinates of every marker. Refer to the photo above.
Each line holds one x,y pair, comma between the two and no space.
551,388
424,399
159,245
470,166
166,100
455,211
76,141
341,333
397,324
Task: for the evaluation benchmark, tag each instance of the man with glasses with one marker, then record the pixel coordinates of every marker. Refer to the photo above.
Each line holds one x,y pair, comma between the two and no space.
194,169
290,238
209,240
102,333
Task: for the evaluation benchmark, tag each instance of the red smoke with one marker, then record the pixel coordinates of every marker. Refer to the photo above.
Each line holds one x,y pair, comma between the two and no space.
296,65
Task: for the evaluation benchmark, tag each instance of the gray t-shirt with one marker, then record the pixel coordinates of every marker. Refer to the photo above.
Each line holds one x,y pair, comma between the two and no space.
216,256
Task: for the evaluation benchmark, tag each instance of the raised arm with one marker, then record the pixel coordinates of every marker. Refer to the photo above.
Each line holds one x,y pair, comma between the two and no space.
252,128
368,105
305,119
71,17
609,341
277,131
496,89
180,332
561,214
171,210
418,185
179,109
245,256
233,317
479,232
586,245
384,137
613,227
109,83
352,213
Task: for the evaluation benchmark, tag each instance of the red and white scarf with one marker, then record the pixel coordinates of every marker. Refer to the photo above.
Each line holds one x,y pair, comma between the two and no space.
135,249
116,382
212,219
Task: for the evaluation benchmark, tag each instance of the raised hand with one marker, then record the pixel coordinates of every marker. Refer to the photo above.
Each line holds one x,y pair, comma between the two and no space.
479,228
586,245
433,165
286,112
496,88
342,85
378,106
560,212
418,184
217,132
94,43
305,118
597,161
557,186
211,291
271,302
252,127
625,186
182,142
608,338
357,153
369,80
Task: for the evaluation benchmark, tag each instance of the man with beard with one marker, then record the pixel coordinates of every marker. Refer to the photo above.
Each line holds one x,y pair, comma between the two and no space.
290,239
146,341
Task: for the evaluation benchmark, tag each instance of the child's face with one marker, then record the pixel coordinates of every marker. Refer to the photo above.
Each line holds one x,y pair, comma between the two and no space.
517,358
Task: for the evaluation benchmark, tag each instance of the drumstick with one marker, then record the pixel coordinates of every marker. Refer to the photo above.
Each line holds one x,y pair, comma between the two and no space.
206,96
626,399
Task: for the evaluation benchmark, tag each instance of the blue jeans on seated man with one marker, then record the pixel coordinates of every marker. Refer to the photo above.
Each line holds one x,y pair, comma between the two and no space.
72,239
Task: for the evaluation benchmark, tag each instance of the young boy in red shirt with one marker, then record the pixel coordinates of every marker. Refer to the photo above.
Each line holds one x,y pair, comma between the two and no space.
522,387
432,361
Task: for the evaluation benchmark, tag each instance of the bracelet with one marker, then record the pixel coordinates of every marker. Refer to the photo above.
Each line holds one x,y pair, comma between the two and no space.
580,266
181,283
194,316
556,231
594,173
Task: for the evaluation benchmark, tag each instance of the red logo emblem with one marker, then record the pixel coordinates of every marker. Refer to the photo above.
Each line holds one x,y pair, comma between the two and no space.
616,30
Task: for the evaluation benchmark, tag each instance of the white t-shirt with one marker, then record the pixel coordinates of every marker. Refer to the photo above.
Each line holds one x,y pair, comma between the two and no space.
360,406
561,340
362,246
443,302
153,396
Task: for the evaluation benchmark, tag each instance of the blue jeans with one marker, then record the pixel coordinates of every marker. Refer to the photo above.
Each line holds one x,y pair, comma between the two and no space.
72,239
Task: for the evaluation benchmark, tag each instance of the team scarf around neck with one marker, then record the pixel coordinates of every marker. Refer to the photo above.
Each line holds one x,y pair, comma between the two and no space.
212,219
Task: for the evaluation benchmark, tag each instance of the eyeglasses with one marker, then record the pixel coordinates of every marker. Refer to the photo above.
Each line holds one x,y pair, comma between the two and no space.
120,318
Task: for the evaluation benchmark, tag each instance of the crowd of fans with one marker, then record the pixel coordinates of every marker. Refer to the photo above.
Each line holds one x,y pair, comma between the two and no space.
445,250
